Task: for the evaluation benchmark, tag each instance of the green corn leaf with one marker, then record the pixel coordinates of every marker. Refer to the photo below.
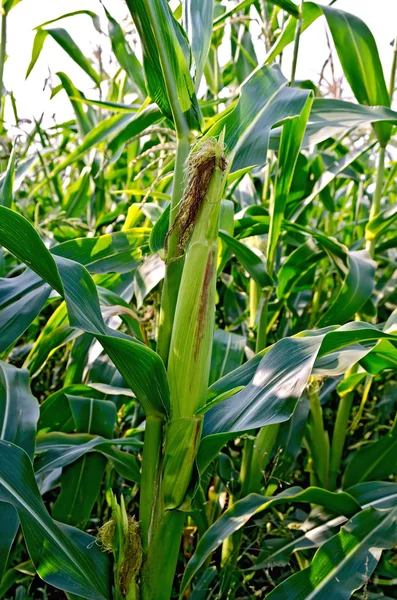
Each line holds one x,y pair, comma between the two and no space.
81,481
57,450
127,59
76,97
131,124
380,223
357,52
227,353
63,38
344,563
141,367
296,267
21,300
117,252
376,460
19,413
264,102
243,510
253,262
197,19
278,551
166,57
355,291
147,276
290,143
60,553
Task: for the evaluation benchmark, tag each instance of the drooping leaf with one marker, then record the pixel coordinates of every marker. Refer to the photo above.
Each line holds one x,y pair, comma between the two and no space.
344,563
243,510
63,556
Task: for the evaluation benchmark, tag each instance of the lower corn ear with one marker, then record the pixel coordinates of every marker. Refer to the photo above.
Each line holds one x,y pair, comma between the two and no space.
121,536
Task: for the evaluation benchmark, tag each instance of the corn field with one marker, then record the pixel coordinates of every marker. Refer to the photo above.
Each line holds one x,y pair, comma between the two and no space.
198,313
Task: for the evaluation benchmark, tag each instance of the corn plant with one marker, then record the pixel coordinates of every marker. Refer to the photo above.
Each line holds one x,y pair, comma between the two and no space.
198,317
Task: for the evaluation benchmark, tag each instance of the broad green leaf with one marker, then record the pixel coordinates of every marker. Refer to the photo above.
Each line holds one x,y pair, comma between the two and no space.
253,262
63,38
113,252
297,265
197,20
355,291
290,143
13,228
57,450
274,391
380,223
19,413
344,563
147,276
21,300
264,101
64,557
330,118
127,59
360,61
243,510
166,56
361,337
227,353
141,367
376,460
128,124
278,551
357,52
81,481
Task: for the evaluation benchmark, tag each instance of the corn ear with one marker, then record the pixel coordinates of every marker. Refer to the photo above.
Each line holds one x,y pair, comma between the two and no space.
191,340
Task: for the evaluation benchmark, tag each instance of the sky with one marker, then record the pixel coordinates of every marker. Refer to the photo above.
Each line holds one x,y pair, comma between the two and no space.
33,96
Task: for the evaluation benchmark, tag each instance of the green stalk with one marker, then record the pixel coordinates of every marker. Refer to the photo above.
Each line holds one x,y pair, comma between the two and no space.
3,43
339,436
298,30
375,206
159,567
255,294
318,438
150,506
231,546
188,364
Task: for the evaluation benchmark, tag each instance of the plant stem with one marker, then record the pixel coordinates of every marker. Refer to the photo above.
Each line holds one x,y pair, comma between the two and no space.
3,43
319,443
160,565
298,30
375,206
261,337
339,436
150,507
255,294
232,544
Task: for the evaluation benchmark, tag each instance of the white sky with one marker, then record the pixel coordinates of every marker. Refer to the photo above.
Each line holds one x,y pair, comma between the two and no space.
32,100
